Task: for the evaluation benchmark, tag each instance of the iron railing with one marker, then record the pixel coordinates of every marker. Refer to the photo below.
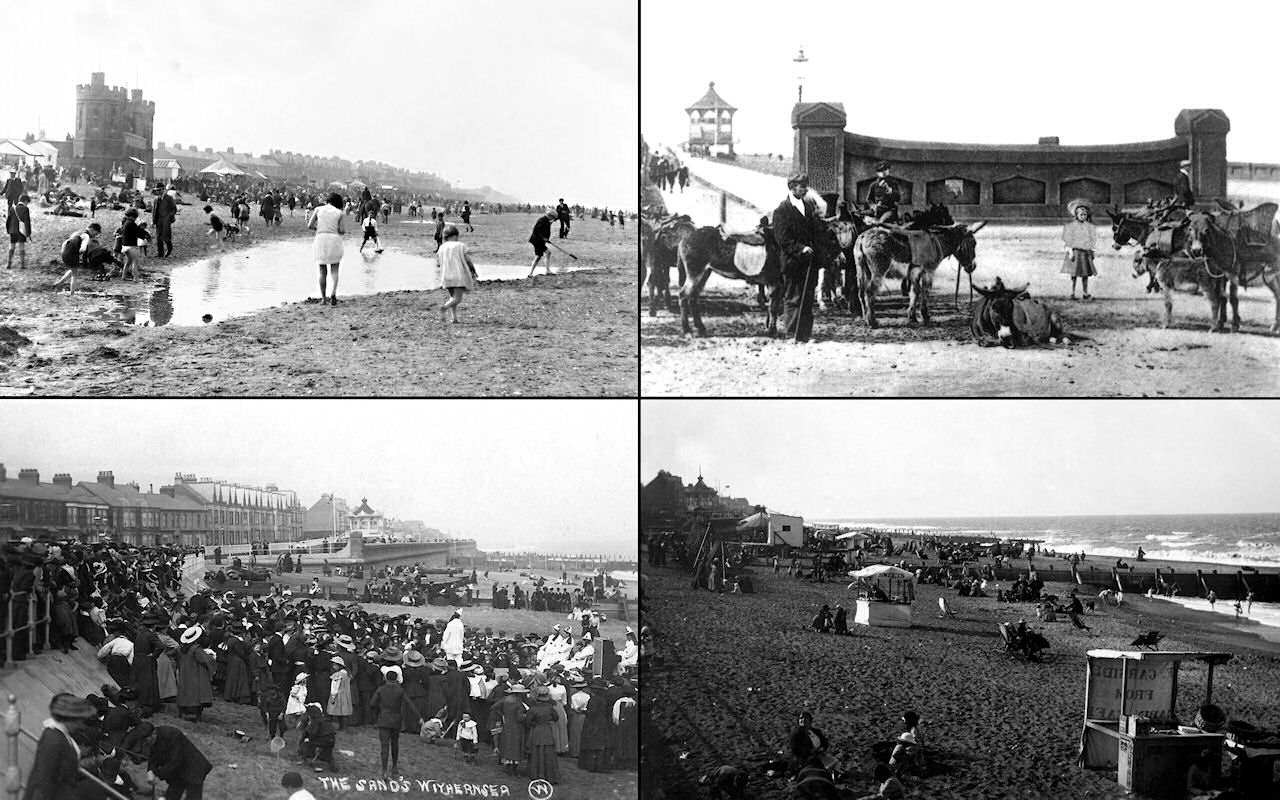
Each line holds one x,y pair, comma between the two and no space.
32,622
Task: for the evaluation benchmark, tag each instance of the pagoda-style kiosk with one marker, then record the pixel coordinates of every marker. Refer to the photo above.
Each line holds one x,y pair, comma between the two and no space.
711,124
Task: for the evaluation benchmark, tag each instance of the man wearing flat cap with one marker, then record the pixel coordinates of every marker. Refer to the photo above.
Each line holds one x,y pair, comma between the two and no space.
883,196
795,228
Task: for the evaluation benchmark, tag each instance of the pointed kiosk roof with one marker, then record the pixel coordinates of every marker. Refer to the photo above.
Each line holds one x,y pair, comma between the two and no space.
710,101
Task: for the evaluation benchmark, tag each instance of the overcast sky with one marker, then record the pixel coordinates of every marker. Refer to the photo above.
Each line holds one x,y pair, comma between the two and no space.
919,458
555,475
536,100
985,71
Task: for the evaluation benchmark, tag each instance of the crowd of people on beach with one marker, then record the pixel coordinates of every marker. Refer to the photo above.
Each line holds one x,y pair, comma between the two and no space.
314,672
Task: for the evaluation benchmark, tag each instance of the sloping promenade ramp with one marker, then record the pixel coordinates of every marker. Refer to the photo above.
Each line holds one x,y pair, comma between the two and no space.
38,678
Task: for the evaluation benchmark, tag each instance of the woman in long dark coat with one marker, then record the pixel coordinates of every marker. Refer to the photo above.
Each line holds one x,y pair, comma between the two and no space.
435,688
457,695
540,721
146,649
237,687
195,675
596,729
511,741
415,693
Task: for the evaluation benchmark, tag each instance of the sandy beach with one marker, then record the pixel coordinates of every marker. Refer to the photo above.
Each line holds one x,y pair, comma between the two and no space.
564,334
738,668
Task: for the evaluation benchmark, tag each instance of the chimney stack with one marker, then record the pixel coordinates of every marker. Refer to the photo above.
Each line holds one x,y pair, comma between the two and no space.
29,475
62,479
107,478
168,491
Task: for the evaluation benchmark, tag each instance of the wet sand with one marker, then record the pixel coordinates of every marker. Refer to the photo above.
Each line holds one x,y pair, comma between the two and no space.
565,334
738,668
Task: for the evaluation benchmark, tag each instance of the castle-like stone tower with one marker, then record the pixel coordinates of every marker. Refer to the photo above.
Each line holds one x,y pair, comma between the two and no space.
113,129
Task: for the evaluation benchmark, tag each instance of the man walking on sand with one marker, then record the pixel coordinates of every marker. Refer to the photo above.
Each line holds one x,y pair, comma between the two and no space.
562,212
18,225
163,214
539,238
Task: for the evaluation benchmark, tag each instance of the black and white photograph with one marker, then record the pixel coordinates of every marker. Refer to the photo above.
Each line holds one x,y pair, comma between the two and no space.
388,198
224,599
959,199
1057,599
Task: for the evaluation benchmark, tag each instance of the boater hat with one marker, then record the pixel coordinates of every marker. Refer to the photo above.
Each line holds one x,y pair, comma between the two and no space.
191,634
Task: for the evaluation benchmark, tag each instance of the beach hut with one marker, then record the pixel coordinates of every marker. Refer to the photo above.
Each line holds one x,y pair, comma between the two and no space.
781,528
853,540
1130,725
885,596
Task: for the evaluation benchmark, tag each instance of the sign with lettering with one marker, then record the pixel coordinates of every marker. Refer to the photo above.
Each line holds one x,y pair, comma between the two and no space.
1146,688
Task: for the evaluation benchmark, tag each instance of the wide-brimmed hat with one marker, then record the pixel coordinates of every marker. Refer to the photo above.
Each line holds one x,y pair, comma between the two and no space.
541,692
414,659
338,660
1078,203
517,688
191,634
344,641
72,707
439,665
392,655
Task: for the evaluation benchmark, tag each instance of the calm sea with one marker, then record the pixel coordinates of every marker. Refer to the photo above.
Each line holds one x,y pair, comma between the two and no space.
1238,539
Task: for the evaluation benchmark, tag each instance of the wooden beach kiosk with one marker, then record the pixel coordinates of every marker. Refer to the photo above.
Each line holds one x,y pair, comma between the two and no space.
1129,722
896,584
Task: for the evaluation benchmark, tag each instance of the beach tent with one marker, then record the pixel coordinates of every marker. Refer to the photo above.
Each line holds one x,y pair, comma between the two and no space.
782,528
853,540
222,167
897,584
165,169
337,185
758,521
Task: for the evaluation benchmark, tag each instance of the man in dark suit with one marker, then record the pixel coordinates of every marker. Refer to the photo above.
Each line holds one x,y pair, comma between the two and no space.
795,227
14,188
562,213
539,238
163,214
1182,194
176,761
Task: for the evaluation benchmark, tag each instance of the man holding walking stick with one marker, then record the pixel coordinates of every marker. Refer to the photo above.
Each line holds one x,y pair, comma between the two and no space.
539,238
795,226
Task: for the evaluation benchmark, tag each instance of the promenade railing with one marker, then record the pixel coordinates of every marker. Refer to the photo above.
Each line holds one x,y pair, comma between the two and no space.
13,783
36,624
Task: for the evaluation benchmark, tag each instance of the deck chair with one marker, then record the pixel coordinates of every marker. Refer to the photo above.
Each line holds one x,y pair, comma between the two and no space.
1149,639
943,610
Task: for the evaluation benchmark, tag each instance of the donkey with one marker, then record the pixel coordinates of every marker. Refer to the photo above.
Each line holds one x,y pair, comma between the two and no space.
1236,260
663,254
754,259
878,249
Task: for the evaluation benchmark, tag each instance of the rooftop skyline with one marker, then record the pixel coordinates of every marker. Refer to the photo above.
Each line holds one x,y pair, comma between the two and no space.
498,472
534,104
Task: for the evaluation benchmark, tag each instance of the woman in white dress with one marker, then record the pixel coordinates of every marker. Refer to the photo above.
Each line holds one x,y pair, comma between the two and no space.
326,221
457,271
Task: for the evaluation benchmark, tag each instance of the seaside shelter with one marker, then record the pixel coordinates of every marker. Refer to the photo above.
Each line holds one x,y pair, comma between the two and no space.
885,595
780,528
1130,724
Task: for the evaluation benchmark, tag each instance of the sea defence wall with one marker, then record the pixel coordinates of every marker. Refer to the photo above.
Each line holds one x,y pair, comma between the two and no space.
1013,181
35,681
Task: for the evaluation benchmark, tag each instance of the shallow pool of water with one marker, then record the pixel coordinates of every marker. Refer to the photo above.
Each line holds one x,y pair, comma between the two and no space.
239,282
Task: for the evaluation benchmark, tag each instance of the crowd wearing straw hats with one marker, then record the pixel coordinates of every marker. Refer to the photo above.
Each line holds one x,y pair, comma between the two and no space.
523,701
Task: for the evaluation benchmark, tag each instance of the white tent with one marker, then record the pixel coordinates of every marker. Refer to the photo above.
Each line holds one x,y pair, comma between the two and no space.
222,167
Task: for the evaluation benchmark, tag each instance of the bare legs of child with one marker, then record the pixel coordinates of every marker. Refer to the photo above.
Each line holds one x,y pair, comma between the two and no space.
332,271
22,254
451,306
69,275
534,266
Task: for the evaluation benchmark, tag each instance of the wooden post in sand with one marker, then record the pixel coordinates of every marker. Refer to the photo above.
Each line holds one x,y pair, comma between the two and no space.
724,208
